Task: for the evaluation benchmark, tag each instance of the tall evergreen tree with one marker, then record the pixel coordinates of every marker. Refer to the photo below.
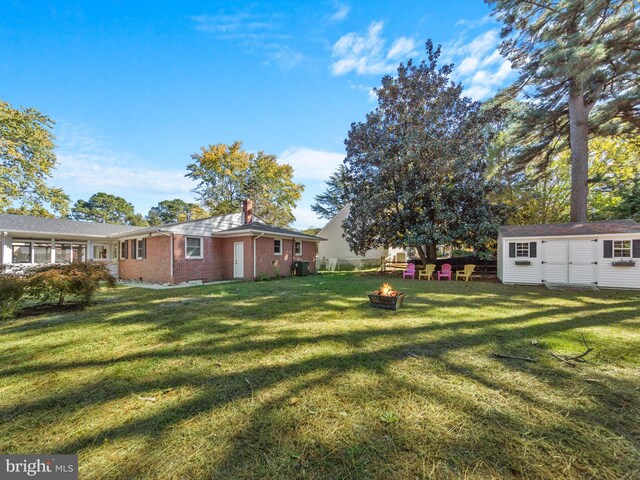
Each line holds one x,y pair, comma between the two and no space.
578,63
415,169
106,208
172,211
331,201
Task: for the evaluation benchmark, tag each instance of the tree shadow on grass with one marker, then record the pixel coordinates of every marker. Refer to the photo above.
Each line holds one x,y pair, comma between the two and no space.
490,435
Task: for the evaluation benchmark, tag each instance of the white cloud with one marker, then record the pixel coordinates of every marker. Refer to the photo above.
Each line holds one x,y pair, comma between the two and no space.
402,48
479,65
365,54
311,164
340,14
87,165
371,94
307,218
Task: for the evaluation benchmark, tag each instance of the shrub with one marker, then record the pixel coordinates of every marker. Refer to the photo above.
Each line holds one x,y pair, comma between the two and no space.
11,292
58,281
262,277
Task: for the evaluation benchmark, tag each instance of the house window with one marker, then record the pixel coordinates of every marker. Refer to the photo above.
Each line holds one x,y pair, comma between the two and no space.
42,253
124,249
99,252
522,249
277,247
141,248
21,252
622,248
63,252
297,249
193,247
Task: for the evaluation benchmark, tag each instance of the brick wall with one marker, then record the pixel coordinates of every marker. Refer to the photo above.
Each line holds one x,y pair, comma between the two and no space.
270,263
227,255
208,269
154,268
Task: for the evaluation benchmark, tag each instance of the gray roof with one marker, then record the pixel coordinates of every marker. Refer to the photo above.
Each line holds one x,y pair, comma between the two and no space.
574,228
59,226
266,228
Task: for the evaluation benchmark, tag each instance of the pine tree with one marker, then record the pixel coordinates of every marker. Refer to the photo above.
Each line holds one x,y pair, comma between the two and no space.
331,201
578,63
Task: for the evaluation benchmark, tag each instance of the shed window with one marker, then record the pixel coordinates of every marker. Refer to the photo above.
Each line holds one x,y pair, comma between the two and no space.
277,247
193,247
522,249
622,248
298,248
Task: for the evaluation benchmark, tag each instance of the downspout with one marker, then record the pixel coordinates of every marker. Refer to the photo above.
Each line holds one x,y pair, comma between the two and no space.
255,274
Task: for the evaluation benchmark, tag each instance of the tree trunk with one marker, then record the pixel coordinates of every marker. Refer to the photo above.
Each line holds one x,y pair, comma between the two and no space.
579,139
430,256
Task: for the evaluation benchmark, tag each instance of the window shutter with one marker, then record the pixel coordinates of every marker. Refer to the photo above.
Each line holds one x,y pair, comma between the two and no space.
533,247
608,248
133,249
635,248
125,249
512,250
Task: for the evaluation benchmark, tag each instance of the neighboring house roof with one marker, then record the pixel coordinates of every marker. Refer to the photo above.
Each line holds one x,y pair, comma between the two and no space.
25,224
259,227
569,229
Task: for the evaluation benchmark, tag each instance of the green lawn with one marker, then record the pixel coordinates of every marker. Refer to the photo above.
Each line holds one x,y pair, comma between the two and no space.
300,378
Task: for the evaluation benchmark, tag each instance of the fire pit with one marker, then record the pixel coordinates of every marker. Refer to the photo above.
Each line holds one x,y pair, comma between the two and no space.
386,297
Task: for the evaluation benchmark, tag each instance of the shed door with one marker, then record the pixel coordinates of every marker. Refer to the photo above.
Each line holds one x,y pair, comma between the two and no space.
238,260
582,258
555,260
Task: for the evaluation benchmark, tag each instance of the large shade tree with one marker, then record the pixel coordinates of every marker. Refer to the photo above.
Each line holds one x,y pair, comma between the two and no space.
415,169
227,174
578,62
106,208
27,160
172,211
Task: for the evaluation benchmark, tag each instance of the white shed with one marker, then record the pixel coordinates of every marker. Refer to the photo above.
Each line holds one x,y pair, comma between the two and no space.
605,254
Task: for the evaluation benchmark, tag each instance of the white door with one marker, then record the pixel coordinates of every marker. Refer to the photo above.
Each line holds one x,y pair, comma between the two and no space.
582,258
555,260
238,260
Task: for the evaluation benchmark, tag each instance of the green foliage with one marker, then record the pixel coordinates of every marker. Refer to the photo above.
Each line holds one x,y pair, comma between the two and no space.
227,174
27,160
105,208
312,230
263,277
172,211
333,199
11,292
416,168
58,281
578,64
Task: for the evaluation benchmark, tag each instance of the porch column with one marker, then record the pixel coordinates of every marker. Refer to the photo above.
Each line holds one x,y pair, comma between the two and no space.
52,255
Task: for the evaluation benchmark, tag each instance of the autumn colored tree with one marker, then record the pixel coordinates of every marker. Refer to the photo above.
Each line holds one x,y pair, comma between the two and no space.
227,174
27,160
105,208
176,210
578,62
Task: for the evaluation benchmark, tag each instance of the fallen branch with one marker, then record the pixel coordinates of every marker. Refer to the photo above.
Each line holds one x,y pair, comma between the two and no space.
513,357
575,358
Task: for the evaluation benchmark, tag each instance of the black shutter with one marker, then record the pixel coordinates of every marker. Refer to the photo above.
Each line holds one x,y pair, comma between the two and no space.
635,248
608,248
533,249
133,249
125,249
512,250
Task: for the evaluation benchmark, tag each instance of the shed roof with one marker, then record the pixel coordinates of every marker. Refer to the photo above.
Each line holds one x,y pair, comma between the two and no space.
572,228
59,226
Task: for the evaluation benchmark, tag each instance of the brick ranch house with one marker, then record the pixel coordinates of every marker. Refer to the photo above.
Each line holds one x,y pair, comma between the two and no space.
226,247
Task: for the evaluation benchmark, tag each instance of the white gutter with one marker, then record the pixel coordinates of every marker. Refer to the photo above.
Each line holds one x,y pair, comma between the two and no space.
254,254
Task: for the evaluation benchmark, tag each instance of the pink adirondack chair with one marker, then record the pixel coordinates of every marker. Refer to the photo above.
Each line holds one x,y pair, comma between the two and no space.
410,271
445,271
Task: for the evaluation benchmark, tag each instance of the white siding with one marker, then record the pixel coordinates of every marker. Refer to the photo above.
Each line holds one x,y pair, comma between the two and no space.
512,273
5,246
558,252
336,246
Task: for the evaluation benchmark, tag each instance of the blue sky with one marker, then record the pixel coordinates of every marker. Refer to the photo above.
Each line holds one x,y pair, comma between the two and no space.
136,87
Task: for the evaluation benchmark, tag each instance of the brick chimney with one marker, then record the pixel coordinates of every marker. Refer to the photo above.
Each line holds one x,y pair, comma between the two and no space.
247,210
